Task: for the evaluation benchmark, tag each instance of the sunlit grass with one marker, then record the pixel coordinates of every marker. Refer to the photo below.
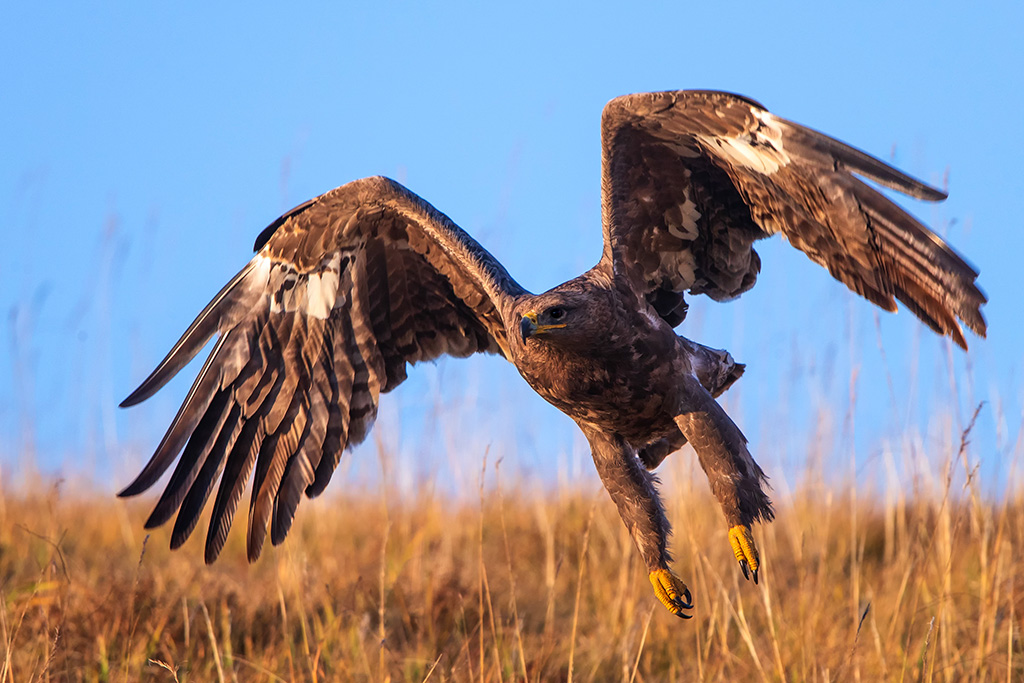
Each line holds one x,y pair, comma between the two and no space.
522,584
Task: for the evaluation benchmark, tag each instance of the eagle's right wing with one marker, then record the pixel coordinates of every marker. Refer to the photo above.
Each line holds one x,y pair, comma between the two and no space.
343,292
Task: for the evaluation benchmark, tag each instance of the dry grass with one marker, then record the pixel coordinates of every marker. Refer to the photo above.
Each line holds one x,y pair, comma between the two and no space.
520,585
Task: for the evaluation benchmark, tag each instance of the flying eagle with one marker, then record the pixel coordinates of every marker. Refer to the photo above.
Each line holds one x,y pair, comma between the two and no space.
348,289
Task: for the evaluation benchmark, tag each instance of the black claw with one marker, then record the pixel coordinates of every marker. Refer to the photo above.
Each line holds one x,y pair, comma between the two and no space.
746,571
755,577
684,602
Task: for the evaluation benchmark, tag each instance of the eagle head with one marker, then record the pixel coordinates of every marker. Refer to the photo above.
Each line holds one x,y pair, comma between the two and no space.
565,318
544,322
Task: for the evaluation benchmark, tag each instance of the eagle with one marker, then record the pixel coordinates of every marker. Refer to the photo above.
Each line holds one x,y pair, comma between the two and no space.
349,289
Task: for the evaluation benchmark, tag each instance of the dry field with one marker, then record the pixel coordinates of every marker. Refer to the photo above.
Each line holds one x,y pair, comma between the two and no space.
521,584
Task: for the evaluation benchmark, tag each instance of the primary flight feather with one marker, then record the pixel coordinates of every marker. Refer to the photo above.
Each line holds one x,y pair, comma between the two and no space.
349,288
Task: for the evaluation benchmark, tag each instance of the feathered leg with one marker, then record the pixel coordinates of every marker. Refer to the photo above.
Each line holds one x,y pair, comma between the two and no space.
633,491
717,371
736,480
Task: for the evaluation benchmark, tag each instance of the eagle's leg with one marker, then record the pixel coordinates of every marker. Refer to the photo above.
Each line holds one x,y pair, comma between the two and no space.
633,491
736,480
717,371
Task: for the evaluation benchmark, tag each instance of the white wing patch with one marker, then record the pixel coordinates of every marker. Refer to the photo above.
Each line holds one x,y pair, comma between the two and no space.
314,293
758,150
322,287
260,273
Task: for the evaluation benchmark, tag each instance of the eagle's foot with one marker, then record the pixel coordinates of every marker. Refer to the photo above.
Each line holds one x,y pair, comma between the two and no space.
743,547
672,592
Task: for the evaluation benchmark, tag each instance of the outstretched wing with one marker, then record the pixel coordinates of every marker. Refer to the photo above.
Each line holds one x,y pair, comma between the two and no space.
343,292
692,179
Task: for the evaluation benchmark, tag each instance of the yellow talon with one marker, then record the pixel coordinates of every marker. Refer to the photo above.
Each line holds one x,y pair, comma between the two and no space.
743,547
672,592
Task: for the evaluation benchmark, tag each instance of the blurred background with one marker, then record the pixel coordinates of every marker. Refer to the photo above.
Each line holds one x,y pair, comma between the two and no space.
145,146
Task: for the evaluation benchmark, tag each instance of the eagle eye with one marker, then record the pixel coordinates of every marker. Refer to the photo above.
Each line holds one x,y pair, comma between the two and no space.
556,313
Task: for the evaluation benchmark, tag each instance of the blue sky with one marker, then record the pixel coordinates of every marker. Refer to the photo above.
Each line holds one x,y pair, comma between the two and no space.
145,146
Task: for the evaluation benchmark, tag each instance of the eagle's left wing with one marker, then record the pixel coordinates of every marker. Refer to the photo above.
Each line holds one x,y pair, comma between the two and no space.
691,179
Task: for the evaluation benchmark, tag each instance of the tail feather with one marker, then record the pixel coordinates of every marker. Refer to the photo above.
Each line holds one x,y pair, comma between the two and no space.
715,369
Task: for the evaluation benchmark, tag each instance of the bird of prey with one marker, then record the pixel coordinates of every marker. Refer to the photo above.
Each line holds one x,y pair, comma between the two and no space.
348,289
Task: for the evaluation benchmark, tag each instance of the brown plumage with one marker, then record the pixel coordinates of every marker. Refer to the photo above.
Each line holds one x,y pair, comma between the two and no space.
349,288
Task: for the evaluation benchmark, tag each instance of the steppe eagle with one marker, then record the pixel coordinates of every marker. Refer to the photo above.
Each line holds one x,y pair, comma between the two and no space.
349,288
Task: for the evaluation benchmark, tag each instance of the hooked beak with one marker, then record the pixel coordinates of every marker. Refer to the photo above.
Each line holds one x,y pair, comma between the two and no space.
528,325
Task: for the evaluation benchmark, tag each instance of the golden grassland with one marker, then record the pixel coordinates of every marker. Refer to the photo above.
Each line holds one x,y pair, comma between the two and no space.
520,584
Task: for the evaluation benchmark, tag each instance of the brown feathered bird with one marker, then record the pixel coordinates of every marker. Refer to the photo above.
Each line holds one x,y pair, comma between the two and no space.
349,288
